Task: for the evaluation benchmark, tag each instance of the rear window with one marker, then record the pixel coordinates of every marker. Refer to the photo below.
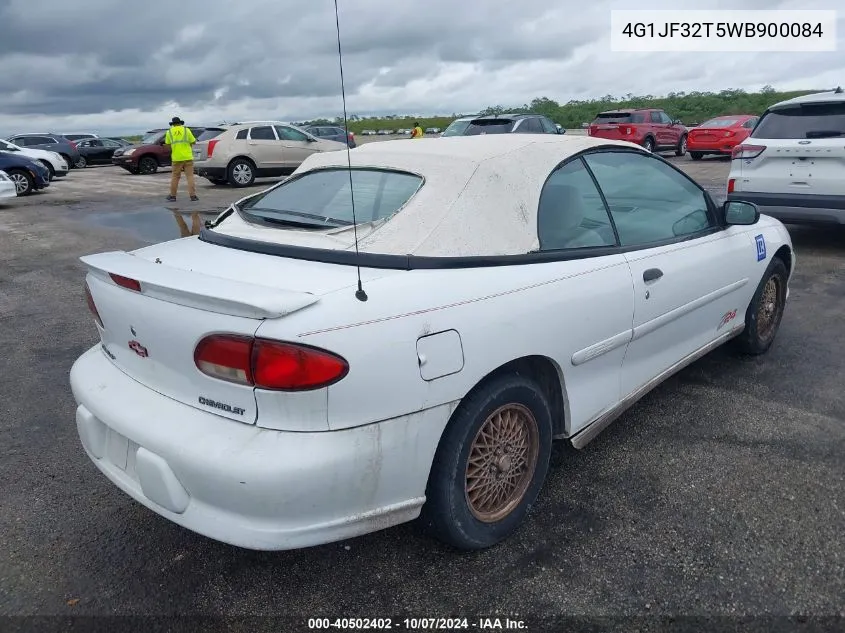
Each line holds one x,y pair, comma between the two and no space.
614,117
210,133
720,123
807,121
488,126
321,199
456,128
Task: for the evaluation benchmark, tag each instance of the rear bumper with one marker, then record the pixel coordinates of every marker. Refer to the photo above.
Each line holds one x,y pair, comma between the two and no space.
244,485
210,172
710,148
797,208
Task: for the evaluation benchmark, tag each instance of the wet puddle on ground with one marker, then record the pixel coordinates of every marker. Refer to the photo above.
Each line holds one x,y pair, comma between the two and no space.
154,224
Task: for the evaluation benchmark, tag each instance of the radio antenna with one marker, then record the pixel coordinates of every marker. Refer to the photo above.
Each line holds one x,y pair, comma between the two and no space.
359,294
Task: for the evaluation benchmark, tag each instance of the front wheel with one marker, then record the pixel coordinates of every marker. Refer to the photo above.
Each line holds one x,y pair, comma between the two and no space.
648,144
490,464
147,165
764,314
696,155
24,184
681,150
81,163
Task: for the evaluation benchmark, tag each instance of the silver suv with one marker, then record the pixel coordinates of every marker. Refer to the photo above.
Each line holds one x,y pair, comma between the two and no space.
238,153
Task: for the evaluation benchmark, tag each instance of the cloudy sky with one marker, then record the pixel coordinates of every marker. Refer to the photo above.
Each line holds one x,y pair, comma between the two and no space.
115,66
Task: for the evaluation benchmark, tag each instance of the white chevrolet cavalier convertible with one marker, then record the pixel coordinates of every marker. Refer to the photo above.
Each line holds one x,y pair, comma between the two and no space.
514,289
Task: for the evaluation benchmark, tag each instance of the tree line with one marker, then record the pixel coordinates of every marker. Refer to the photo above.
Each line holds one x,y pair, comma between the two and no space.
690,107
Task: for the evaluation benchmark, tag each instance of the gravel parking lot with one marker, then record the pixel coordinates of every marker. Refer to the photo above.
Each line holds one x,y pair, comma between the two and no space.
722,493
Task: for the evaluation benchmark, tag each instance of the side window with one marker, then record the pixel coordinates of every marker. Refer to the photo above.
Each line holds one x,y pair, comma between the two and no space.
110,143
262,134
637,117
665,118
46,140
242,135
654,117
95,142
548,126
571,213
749,124
289,134
649,200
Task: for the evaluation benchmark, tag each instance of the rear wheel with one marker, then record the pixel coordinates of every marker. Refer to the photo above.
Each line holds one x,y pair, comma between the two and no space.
49,168
696,155
24,184
681,150
81,163
648,144
490,464
764,314
241,173
147,165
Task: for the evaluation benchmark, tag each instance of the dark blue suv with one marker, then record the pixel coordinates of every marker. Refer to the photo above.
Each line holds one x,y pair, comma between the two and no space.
28,175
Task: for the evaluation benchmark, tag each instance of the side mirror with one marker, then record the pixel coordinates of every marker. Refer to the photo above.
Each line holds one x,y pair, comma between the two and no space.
739,213
677,122
559,128
310,139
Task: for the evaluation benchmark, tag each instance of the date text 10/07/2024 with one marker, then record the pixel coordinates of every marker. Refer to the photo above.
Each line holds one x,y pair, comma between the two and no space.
418,624
723,29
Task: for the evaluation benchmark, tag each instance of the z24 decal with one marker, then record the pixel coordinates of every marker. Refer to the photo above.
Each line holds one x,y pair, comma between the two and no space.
727,318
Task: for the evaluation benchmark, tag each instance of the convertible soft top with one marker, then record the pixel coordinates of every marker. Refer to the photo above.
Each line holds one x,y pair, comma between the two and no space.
480,194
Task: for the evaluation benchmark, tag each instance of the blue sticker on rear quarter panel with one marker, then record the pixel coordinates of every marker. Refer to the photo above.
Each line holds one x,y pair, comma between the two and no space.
761,247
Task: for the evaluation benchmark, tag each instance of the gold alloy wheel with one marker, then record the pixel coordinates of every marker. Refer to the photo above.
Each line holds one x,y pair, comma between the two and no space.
502,461
768,309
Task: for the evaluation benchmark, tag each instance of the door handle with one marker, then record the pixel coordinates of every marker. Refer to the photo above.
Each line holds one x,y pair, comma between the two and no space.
652,274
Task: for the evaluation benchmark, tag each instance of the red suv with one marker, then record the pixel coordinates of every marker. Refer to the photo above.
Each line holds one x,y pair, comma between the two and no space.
148,154
650,127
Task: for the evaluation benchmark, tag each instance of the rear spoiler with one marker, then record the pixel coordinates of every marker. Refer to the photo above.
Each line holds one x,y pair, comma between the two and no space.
198,290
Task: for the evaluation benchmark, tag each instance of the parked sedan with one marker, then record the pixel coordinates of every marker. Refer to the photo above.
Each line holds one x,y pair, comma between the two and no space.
283,380
50,142
7,186
720,135
332,133
27,174
54,162
96,151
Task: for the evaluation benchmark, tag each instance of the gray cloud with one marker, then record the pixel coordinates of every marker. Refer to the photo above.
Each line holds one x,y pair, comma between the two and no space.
63,61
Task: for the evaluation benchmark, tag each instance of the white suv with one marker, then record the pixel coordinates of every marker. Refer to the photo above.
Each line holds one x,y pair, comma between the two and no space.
55,164
239,153
792,166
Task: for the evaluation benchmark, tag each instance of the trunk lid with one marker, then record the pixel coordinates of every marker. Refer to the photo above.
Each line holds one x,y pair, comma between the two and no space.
188,290
804,150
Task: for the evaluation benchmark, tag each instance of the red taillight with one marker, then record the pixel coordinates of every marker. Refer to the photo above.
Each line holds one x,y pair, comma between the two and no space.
268,364
747,151
211,145
226,357
731,182
72,144
729,133
126,282
92,306
628,130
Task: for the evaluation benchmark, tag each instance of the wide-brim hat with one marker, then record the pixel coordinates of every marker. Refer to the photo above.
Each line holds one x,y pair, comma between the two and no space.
176,121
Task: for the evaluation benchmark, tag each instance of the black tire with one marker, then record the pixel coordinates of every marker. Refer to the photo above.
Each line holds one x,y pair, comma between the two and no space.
769,301
67,160
696,155
218,181
448,513
648,144
49,168
681,150
147,165
241,173
81,162
24,183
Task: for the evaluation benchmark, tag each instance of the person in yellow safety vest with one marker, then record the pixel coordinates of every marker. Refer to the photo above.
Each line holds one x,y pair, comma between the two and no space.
181,139
417,132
